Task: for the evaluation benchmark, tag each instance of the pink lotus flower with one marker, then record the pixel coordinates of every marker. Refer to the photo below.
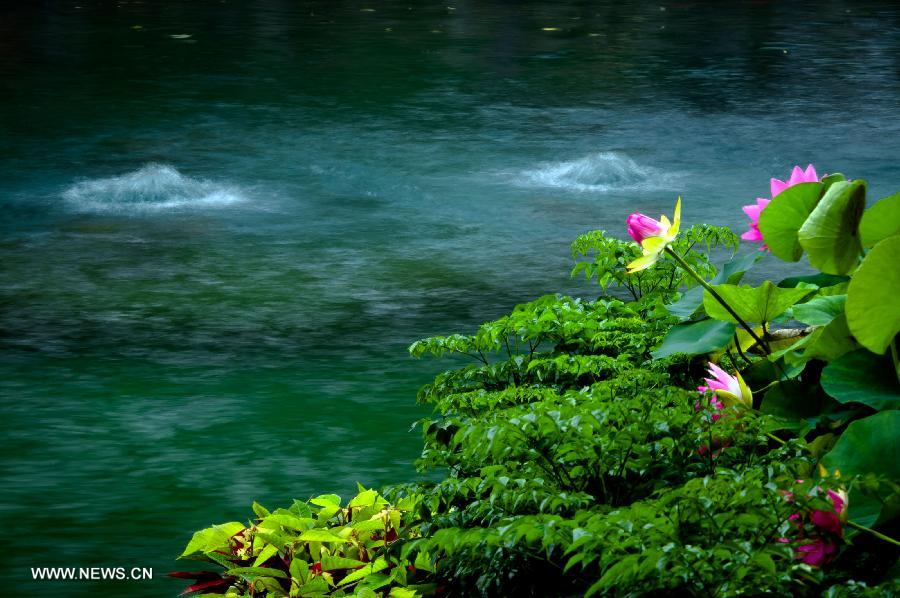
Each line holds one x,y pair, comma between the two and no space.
798,175
653,236
640,227
818,545
728,390
817,552
832,521
752,212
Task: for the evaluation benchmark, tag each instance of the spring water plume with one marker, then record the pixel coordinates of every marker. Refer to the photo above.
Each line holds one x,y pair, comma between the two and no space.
599,172
151,188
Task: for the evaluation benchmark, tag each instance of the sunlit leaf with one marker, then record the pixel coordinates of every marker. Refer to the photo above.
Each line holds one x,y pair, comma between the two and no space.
873,298
753,304
830,235
820,311
880,221
781,220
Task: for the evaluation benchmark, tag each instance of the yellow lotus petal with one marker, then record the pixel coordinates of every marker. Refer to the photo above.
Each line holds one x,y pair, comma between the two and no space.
746,393
643,262
728,399
676,222
653,245
664,220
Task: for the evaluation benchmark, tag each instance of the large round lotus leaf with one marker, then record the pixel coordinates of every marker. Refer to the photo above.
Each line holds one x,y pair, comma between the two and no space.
780,221
880,221
695,338
753,304
869,445
862,377
830,235
873,298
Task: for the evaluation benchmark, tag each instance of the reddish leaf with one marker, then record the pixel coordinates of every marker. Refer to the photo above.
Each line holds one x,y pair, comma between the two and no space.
207,585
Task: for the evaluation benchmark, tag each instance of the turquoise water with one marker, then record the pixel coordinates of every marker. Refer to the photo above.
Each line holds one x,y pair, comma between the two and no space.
216,248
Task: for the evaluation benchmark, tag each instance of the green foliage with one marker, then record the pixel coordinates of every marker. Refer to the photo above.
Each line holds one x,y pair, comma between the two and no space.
608,257
313,548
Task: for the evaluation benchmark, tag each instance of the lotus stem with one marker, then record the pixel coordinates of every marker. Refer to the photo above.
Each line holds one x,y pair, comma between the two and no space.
717,297
878,535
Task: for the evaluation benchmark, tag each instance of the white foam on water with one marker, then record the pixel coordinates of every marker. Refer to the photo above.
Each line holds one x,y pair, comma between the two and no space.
598,172
152,188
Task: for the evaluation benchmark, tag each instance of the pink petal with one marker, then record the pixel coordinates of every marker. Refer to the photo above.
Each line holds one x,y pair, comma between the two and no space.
752,235
777,187
837,501
752,212
721,375
826,521
811,176
816,553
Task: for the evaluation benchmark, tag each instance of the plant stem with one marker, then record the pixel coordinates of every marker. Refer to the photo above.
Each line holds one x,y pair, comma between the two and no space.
878,535
776,438
717,297
896,358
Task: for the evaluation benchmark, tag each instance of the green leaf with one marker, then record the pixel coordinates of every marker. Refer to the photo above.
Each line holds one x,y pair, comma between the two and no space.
793,400
730,272
265,554
820,310
260,510
781,220
880,221
366,498
862,377
830,342
250,573
377,565
757,305
288,520
331,563
326,500
830,235
873,298
321,535
299,570
820,280
212,538
869,445
315,587
695,338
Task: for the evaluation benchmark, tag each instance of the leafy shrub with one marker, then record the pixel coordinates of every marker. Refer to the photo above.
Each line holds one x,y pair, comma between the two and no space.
313,548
